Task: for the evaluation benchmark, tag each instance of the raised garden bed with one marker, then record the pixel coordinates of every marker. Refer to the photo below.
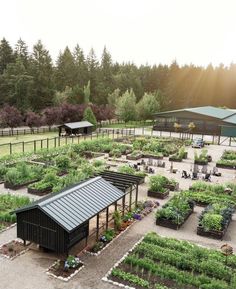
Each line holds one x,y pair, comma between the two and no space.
175,159
214,220
201,163
170,224
172,187
223,166
152,156
158,195
134,158
211,234
18,186
39,192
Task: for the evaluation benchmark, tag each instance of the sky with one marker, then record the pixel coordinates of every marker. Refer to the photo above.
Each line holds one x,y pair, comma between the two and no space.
139,31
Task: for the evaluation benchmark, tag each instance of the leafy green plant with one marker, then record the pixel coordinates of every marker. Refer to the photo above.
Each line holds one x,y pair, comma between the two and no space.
117,220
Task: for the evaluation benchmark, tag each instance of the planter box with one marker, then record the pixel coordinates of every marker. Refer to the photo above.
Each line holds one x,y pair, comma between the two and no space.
18,186
142,181
201,163
169,224
172,187
158,195
39,192
173,159
211,234
134,158
152,156
231,167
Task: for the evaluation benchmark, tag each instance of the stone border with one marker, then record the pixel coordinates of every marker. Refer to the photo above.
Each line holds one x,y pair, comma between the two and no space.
105,278
12,258
98,253
61,278
7,228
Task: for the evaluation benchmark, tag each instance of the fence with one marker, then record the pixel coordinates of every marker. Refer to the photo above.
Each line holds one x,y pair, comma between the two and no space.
23,131
47,143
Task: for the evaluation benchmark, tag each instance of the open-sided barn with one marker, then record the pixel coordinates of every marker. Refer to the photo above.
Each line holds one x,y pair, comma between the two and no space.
207,120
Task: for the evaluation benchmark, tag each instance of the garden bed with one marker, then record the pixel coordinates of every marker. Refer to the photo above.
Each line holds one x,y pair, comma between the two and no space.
156,262
172,187
223,166
10,186
134,158
39,192
158,195
152,156
211,234
201,163
214,220
12,249
174,159
57,270
170,224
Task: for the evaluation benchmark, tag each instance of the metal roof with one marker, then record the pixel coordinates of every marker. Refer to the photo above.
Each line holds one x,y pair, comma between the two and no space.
79,124
72,207
216,112
231,119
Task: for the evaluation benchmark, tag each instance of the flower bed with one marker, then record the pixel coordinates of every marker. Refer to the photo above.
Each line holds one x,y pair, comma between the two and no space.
152,156
39,192
12,249
10,186
156,262
65,270
174,213
215,220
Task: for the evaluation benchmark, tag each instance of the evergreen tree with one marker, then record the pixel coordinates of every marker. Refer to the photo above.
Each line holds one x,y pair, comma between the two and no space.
65,74
89,116
21,51
16,85
81,68
6,55
92,64
42,72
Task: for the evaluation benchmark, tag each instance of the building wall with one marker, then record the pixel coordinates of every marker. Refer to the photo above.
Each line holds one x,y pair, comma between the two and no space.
35,226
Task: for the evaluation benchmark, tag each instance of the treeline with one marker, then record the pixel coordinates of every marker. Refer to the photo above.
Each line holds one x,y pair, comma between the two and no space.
30,81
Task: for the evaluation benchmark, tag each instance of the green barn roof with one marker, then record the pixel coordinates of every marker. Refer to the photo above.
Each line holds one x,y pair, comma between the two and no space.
227,115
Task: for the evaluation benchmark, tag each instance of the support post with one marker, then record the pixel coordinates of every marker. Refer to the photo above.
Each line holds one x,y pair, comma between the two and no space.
130,200
136,196
107,214
97,229
123,206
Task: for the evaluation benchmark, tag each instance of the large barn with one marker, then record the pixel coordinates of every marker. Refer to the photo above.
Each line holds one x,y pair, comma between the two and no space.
207,120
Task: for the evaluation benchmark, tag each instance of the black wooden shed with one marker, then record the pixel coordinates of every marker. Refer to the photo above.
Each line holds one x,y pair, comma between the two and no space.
75,128
59,221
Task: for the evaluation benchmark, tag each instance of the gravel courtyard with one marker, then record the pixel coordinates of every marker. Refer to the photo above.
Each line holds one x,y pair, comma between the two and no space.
28,270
